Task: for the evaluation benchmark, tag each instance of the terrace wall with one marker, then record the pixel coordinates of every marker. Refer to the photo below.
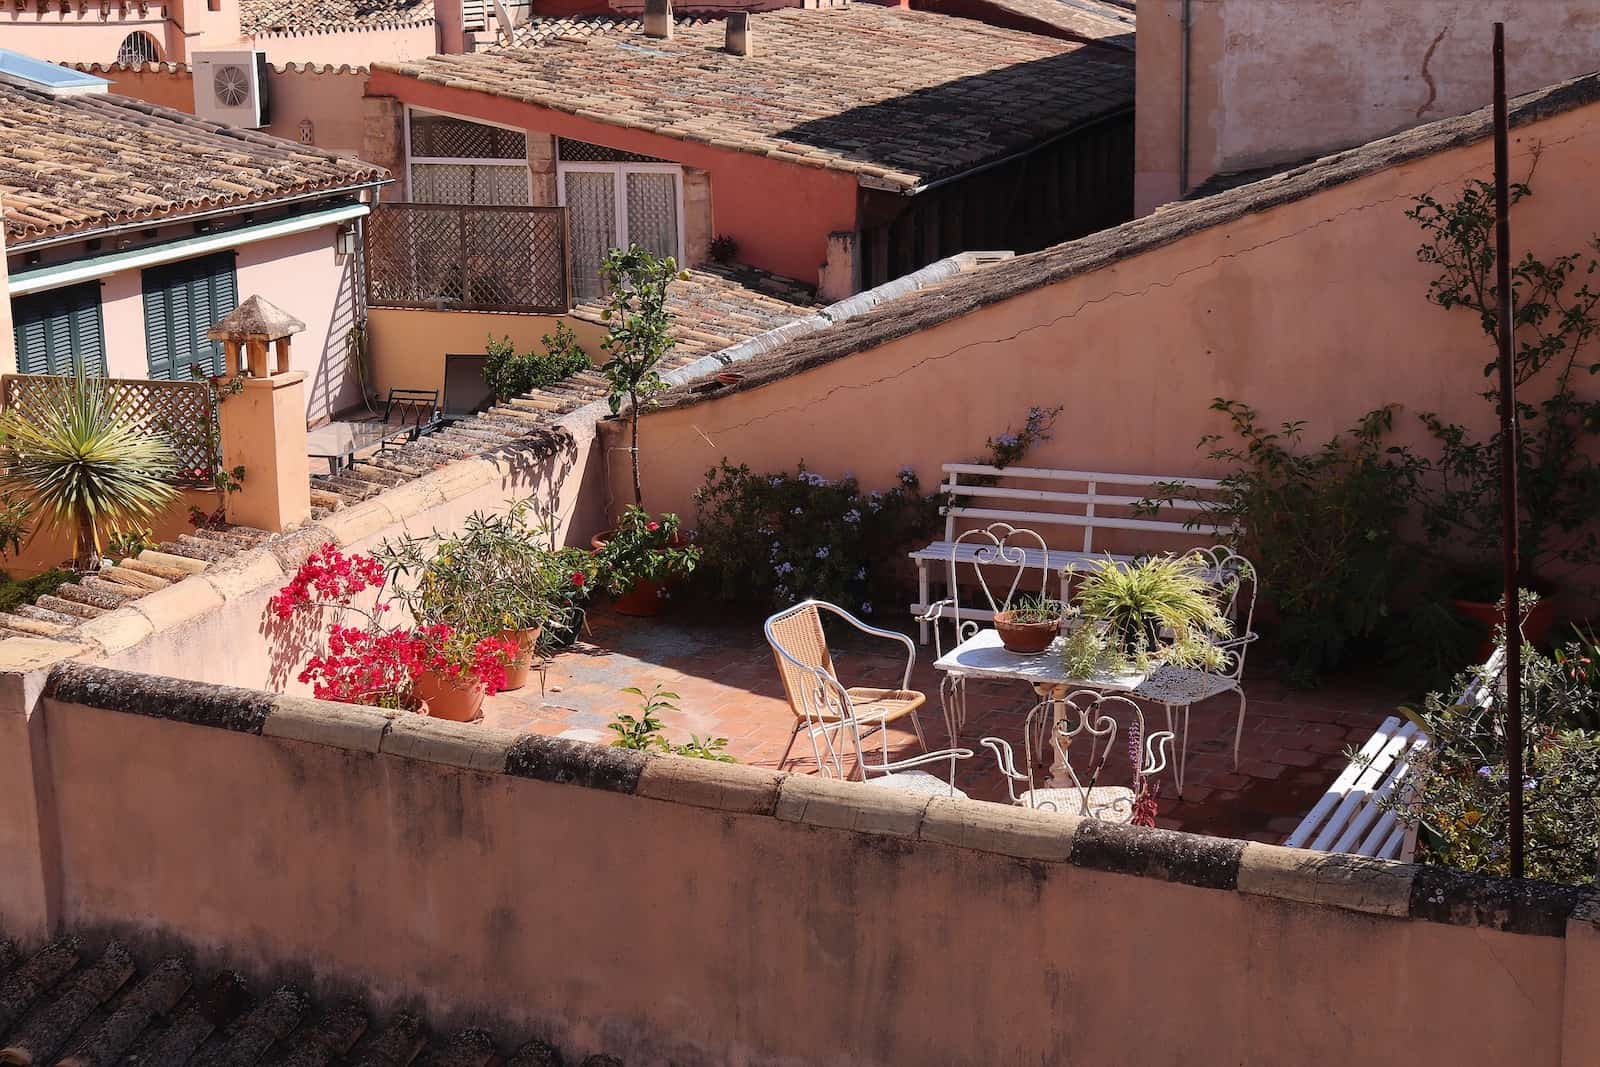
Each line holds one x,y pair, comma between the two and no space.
674,911
1313,309
407,347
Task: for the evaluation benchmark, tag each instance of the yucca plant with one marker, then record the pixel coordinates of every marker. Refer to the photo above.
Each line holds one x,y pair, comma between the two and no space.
1163,609
79,461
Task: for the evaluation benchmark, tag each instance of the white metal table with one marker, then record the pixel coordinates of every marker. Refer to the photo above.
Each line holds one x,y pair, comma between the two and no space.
983,656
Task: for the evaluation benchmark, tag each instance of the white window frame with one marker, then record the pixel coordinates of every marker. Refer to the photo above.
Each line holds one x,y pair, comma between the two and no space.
620,171
475,161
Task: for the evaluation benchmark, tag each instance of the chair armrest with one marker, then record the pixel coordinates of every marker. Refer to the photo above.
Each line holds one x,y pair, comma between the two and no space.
951,754
888,635
935,611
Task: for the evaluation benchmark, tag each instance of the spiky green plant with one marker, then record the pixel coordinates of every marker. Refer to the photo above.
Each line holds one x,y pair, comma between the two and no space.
1162,609
81,462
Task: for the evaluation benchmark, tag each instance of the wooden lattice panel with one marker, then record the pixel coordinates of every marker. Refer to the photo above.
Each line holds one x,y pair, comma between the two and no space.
180,412
468,258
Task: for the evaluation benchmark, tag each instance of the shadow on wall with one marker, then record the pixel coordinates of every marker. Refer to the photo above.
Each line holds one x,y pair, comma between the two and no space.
336,385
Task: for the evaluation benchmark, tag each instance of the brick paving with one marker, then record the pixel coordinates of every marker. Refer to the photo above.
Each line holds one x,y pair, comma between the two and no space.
727,685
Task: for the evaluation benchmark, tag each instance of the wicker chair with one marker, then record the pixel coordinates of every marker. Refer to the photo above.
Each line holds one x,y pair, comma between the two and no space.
836,718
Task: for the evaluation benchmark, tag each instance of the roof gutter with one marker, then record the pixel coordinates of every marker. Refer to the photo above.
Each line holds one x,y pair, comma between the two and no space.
13,247
82,270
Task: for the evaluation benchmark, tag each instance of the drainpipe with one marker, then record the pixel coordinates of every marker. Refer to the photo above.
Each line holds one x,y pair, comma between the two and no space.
1183,102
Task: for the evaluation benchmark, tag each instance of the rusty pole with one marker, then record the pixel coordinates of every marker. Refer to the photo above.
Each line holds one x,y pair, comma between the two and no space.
1508,448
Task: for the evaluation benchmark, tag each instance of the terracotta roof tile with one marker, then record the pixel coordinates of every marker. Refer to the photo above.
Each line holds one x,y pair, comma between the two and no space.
905,95
78,162
1087,20
330,16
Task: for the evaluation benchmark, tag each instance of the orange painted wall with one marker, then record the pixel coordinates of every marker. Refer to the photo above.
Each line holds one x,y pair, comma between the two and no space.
1312,310
780,213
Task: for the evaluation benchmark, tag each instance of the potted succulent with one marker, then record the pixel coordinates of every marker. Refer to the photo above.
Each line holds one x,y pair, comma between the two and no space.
500,576
1029,624
639,559
1158,610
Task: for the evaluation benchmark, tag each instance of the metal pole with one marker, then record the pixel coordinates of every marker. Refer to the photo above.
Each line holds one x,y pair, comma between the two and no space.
1508,448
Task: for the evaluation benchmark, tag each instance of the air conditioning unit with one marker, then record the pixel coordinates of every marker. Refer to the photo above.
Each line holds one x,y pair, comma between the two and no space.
231,88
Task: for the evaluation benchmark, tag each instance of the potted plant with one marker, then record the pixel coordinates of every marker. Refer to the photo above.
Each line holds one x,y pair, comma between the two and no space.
639,559
437,669
1029,625
457,669
1553,320
501,575
1159,610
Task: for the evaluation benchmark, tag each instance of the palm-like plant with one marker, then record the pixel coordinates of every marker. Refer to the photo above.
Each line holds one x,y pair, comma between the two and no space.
1159,609
79,461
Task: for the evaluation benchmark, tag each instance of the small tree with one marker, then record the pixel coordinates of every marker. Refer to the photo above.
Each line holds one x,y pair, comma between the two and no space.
75,459
639,335
1555,314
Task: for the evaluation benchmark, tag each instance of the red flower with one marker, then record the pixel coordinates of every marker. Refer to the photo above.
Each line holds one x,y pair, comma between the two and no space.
578,579
652,526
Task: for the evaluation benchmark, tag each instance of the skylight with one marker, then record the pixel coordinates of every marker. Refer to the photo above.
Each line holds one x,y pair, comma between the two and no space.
30,73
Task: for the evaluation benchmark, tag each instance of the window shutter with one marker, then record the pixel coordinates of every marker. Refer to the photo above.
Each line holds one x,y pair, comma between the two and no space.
59,330
182,301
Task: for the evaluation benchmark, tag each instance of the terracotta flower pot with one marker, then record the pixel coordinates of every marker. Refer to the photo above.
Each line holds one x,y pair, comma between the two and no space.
456,699
521,666
1536,623
644,599
1025,638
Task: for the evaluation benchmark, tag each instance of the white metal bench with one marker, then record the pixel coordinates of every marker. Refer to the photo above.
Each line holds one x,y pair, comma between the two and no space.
1062,498
1351,817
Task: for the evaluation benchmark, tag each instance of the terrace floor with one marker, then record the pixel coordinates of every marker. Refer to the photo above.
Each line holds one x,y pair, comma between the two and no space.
727,685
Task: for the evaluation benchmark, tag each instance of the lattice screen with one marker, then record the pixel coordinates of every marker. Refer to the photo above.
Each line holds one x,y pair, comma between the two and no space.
442,137
570,151
467,183
471,258
180,412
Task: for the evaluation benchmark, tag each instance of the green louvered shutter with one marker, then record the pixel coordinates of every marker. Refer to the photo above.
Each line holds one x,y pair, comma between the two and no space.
59,330
181,302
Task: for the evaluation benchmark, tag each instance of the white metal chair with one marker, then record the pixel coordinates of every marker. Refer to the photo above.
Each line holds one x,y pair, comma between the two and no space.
998,545
1234,579
836,718
1086,719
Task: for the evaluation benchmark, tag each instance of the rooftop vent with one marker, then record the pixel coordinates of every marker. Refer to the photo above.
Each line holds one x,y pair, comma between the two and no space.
738,40
658,19
30,73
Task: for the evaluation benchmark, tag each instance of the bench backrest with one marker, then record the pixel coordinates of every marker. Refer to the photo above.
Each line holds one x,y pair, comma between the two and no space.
1091,500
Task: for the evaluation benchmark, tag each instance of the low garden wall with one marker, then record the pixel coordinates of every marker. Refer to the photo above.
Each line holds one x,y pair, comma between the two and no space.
671,910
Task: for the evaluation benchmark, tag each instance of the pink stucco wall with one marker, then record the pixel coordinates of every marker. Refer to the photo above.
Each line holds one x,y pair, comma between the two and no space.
780,213
1282,80
1311,310
664,932
75,38
355,48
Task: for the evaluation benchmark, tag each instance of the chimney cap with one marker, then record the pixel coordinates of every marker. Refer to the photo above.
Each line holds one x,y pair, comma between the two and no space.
737,39
658,18
255,320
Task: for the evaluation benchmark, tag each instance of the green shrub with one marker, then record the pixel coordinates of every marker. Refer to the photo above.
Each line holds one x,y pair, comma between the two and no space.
509,373
771,540
16,592
1459,799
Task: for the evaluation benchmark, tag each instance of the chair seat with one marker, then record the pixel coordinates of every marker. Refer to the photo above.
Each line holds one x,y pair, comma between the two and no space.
919,782
884,705
1107,803
1183,685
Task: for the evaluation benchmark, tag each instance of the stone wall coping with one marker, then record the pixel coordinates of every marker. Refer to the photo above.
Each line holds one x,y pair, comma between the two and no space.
1381,888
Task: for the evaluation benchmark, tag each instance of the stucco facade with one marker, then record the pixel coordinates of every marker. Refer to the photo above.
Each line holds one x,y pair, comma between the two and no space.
1314,309
1275,81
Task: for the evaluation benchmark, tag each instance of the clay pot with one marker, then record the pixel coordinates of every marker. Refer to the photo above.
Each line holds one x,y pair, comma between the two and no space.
456,699
1536,623
521,666
644,600
1025,638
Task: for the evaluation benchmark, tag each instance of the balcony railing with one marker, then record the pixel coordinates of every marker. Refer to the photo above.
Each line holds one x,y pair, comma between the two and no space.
466,258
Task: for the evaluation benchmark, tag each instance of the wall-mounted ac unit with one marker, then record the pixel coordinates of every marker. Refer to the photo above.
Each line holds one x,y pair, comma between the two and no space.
231,88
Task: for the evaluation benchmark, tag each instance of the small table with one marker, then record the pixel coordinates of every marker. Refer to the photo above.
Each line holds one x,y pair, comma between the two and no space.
338,442
983,656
